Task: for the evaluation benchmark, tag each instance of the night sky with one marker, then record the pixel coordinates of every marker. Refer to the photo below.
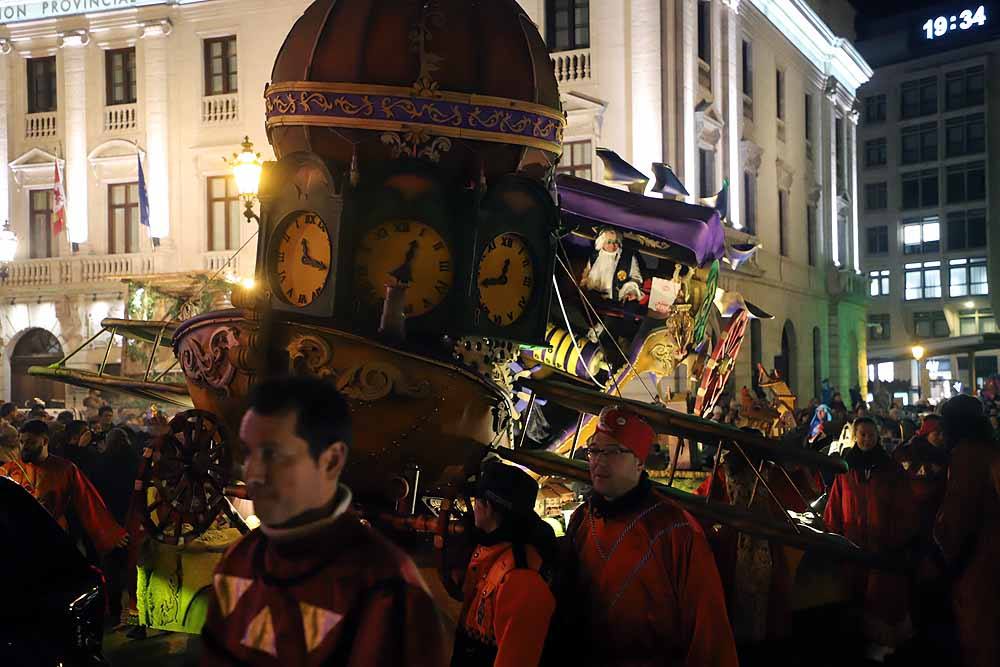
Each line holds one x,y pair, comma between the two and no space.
883,8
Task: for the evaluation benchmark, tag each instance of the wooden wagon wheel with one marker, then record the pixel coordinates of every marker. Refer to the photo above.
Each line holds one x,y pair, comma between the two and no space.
183,477
720,365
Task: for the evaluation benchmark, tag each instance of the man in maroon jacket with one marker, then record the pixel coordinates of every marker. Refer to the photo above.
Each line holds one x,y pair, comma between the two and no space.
313,585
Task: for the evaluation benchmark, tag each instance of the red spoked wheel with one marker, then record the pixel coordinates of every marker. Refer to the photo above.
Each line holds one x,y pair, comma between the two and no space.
720,365
183,478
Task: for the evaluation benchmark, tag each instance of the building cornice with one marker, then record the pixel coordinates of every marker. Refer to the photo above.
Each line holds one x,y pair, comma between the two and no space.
833,56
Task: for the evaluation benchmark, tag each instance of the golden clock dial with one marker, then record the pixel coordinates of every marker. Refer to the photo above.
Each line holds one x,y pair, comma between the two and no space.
404,251
505,279
301,259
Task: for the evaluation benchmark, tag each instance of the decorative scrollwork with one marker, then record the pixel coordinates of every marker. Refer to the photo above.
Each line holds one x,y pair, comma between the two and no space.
373,381
416,144
310,355
211,366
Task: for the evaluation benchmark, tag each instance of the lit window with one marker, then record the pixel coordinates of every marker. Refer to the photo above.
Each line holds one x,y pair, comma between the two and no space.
878,282
923,280
971,322
922,235
967,277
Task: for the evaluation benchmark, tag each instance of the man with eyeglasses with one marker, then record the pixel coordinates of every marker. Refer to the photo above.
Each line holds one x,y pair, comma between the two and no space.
643,567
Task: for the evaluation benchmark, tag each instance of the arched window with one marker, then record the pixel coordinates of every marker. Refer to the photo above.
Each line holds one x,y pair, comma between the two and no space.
788,361
37,347
817,360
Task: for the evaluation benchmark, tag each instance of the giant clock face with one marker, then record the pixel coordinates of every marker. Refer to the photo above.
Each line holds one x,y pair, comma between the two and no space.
505,279
404,252
301,259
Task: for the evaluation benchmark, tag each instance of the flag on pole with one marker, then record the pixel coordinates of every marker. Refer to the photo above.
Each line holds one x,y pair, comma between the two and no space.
143,196
58,203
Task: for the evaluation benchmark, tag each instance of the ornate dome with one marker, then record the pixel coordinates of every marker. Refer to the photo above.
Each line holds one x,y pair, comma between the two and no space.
417,78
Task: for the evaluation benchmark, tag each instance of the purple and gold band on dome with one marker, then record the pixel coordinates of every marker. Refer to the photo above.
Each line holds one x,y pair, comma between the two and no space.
395,108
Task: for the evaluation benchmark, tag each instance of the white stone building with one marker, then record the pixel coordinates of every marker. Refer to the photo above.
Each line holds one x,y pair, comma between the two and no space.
759,92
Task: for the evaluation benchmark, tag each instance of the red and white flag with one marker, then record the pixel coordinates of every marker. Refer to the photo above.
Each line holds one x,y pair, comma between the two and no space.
58,203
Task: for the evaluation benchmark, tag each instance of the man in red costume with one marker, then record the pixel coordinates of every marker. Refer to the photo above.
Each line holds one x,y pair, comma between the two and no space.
59,485
871,505
313,585
644,570
507,603
968,529
924,459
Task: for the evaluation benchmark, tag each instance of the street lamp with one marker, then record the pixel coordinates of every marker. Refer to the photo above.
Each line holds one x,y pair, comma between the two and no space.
918,352
8,248
246,168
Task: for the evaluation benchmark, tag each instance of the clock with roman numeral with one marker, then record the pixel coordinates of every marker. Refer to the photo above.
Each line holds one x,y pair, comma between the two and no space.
506,279
301,259
398,252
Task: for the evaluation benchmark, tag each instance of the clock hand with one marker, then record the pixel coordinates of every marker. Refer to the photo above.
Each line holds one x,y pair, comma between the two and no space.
499,280
404,272
309,261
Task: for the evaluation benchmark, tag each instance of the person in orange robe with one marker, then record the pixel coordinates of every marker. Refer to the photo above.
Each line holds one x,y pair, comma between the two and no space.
313,585
968,529
60,486
644,573
507,603
871,505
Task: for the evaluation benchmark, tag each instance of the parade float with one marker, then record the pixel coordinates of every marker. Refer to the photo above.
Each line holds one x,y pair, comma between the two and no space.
415,247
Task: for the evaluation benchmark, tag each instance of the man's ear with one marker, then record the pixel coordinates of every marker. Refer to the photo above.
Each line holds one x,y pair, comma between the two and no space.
333,458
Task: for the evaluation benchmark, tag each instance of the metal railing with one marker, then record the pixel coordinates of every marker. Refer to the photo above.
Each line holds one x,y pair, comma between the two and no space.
119,118
217,109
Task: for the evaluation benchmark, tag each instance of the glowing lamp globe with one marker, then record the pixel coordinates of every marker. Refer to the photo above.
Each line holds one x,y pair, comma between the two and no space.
918,352
246,170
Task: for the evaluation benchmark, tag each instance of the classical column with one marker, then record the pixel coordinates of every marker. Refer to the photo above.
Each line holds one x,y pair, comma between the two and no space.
5,49
647,84
156,168
851,130
74,103
733,112
826,151
687,170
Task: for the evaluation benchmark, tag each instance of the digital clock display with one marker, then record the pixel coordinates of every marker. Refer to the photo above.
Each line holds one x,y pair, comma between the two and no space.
967,19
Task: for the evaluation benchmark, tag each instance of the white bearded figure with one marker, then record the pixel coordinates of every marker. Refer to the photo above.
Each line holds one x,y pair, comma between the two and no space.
613,272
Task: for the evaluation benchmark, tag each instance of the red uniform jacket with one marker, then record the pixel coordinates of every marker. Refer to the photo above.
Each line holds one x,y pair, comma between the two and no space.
650,581
926,467
336,593
872,506
505,607
968,532
58,485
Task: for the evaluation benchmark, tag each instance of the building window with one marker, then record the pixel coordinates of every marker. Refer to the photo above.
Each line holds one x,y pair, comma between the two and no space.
879,327
749,202
875,152
972,322
779,92
923,280
919,98
930,324
705,31
811,234
220,66
918,143
41,85
966,182
876,196
965,88
874,109
41,243
119,76
967,277
878,240
967,229
922,235
123,218
706,172
878,282
783,222
965,135
568,24
223,213
747,79
577,159
919,189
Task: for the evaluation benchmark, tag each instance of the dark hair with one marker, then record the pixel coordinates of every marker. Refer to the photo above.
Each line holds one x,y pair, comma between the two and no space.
7,409
34,427
118,441
75,428
105,408
322,415
36,411
65,417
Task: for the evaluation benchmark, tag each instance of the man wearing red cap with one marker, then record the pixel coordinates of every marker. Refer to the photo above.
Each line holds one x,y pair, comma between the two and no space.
645,571
924,459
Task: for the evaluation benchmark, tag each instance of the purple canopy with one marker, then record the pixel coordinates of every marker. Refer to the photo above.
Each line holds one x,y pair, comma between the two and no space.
696,228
